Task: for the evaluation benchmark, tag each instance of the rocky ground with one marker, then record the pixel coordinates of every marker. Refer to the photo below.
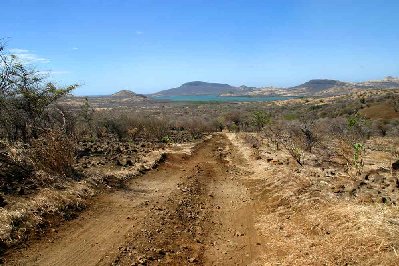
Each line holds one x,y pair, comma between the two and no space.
226,203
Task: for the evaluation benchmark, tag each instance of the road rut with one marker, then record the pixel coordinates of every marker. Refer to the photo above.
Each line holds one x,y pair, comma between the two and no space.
192,209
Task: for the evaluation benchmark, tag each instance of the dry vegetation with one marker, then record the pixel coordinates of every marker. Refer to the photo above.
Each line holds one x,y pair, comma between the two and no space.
331,214
330,181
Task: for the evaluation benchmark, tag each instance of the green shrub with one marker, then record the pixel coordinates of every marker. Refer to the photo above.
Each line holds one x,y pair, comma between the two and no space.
260,119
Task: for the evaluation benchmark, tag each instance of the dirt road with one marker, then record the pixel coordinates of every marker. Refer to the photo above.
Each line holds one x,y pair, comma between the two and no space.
190,210
225,204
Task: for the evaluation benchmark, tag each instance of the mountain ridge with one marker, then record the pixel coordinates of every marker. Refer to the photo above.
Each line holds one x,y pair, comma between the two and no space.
322,87
197,88
313,87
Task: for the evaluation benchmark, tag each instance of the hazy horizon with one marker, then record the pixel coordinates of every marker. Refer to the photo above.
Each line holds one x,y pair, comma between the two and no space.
148,46
234,85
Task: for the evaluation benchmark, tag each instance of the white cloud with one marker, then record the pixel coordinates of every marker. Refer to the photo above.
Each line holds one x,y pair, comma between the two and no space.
75,48
18,51
54,72
139,32
27,57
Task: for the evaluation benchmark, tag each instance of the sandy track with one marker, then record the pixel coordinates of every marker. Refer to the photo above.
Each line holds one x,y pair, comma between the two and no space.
191,209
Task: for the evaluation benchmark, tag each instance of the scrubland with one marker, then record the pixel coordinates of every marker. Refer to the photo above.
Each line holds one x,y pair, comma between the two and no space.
305,181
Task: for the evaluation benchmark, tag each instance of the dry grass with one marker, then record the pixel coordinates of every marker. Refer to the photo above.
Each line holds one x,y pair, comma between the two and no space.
380,111
305,223
332,233
29,216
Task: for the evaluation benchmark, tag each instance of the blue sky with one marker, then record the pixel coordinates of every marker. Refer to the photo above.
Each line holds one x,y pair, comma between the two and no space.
147,46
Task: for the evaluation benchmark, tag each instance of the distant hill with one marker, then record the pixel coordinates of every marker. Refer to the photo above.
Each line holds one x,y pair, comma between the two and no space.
127,94
386,83
317,85
321,87
124,93
199,88
123,98
314,87
335,87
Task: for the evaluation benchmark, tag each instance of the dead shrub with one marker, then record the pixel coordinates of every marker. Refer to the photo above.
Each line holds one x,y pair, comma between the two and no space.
155,128
115,126
53,152
288,135
253,140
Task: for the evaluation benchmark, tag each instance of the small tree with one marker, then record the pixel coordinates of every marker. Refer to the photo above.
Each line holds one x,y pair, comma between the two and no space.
25,96
86,119
260,119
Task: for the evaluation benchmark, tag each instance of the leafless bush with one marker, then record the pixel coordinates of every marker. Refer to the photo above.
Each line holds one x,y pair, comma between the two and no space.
289,136
274,133
309,138
133,126
196,127
236,121
155,128
54,153
343,140
252,140
114,126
